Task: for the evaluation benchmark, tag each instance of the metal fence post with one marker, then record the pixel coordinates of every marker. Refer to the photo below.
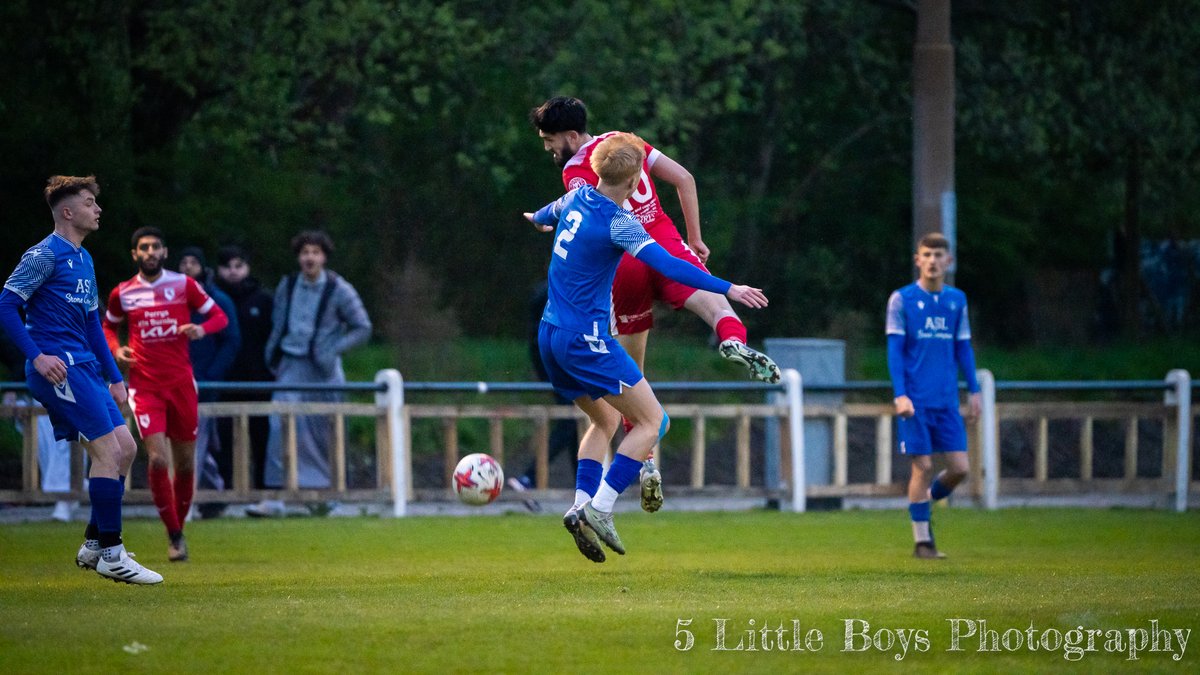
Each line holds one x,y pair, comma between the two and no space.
393,400
991,448
1181,397
795,403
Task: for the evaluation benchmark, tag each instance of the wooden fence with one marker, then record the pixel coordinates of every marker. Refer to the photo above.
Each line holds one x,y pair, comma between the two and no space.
393,437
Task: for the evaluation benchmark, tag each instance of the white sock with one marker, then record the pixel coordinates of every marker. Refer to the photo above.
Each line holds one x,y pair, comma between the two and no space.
581,498
112,553
921,531
605,498
91,544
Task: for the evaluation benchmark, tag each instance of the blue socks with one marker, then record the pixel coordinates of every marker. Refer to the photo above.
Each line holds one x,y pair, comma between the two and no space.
938,491
920,513
623,471
106,495
587,475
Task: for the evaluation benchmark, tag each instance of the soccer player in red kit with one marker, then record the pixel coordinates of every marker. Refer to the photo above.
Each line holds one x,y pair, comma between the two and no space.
157,304
562,124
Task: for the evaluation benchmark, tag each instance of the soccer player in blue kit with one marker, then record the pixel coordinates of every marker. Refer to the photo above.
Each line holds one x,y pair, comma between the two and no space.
70,370
929,341
585,363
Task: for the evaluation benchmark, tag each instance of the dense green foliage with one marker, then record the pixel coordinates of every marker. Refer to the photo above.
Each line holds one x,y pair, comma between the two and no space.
512,595
400,127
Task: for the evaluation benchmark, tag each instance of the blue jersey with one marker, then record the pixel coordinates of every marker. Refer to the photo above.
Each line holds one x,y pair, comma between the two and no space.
930,325
593,233
57,281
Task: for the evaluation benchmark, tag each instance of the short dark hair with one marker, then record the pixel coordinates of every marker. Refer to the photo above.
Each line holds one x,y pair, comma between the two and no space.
934,240
59,188
146,231
230,251
314,237
561,113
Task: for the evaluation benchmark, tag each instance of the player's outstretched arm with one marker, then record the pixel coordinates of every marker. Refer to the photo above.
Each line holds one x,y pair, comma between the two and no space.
748,296
540,227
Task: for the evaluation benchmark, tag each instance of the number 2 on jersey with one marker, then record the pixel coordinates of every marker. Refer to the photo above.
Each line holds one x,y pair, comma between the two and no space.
565,237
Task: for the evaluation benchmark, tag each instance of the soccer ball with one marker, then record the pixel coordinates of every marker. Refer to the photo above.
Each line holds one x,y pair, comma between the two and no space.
478,479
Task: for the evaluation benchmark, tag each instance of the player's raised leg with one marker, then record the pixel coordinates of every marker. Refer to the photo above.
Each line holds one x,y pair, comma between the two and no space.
716,311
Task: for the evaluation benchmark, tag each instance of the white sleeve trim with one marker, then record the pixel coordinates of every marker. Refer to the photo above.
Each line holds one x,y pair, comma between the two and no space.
653,157
17,291
207,307
113,318
640,246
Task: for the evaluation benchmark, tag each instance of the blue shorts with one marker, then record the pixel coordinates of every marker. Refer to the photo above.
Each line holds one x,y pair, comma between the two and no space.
932,430
82,408
579,364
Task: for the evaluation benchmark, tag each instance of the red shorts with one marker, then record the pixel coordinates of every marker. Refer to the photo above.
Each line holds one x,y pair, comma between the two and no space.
171,411
637,285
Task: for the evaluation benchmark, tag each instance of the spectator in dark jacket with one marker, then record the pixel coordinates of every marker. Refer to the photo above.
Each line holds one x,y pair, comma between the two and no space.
212,357
254,307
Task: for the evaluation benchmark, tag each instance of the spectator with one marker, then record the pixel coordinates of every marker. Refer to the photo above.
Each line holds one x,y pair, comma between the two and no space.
317,316
249,365
212,357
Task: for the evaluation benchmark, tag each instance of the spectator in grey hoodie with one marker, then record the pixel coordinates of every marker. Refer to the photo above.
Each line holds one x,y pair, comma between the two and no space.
317,316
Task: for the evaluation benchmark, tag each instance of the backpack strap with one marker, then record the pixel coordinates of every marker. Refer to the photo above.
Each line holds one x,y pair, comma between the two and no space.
331,281
277,352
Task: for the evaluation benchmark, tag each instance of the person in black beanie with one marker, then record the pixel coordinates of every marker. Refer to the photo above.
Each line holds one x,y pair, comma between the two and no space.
254,307
212,356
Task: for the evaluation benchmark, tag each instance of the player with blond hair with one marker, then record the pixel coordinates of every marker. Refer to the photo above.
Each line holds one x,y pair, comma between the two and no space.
585,363
562,125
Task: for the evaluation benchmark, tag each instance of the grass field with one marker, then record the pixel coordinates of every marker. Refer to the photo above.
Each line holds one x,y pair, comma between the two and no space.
511,594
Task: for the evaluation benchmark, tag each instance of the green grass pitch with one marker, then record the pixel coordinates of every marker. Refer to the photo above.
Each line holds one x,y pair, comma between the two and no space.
510,593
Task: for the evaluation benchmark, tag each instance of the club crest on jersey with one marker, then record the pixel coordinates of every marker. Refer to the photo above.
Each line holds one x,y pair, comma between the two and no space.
576,183
920,304
169,293
144,420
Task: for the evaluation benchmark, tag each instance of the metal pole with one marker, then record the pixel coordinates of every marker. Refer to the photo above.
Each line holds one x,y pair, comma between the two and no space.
991,453
795,403
1182,395
393,400
934,202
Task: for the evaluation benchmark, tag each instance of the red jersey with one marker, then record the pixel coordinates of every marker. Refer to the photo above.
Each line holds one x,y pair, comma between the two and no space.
156,311
644,200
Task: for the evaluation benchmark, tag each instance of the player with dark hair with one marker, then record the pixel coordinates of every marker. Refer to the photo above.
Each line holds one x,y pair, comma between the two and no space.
585,364
562,124
929,341
158,304
69,369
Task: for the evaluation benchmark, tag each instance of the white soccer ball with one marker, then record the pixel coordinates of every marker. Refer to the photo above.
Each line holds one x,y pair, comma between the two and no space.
478,479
